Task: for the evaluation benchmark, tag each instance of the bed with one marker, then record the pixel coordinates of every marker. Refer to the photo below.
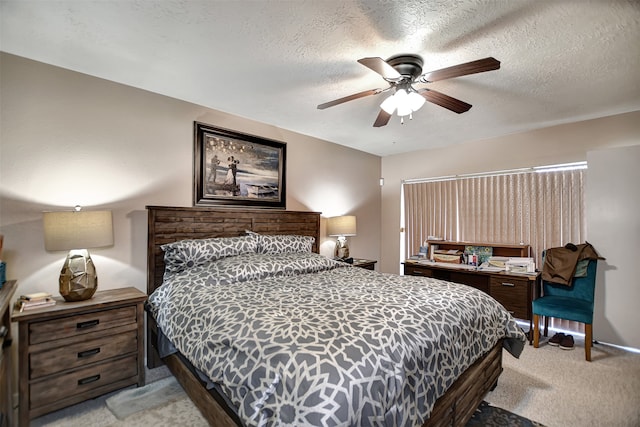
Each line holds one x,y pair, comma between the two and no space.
358,355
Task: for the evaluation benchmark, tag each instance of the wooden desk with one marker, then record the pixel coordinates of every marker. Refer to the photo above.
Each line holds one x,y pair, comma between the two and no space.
514,291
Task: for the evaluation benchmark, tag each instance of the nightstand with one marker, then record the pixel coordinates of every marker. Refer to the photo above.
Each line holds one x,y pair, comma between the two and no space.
74,351
6,356
364,263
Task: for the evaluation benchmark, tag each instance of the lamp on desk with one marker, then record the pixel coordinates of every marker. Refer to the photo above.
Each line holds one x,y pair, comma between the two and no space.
341,227
76,231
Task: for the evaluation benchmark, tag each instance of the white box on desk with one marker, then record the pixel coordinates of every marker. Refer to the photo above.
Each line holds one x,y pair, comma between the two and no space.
520,265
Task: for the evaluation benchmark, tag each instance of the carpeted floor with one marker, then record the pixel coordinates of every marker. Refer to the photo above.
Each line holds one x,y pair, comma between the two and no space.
163,403
173,408
554,387
167,391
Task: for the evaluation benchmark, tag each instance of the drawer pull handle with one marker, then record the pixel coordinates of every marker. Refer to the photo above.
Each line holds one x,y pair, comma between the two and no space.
87,324
88,353
508,284
89,379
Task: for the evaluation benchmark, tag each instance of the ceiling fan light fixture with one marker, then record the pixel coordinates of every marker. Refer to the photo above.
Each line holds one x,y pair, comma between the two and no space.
404,109
415,100
389,104
403,102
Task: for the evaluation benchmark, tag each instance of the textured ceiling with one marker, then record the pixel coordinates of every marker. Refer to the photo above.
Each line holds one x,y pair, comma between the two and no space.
275,61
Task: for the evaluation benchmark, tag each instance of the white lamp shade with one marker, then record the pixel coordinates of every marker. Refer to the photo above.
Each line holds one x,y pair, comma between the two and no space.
68,230
405,103
404,109
416,101
389,104
341,225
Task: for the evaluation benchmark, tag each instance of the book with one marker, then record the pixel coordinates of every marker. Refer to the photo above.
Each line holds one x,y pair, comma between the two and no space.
35,300
26,306
35,296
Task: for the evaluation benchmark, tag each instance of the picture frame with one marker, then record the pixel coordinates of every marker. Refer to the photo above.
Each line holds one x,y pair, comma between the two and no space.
236,169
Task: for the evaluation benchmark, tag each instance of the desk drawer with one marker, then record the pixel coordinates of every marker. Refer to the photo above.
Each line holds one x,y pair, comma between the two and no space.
410,270
65,327
82,353
512,293
81,381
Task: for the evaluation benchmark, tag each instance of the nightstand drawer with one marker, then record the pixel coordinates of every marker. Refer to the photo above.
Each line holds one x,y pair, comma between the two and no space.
81,381
512,294
83,353
66,327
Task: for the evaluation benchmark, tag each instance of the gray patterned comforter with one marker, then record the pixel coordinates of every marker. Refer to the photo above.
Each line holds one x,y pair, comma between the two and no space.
299,339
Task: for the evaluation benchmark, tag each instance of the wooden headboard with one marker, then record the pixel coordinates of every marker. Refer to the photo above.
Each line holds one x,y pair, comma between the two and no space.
170,224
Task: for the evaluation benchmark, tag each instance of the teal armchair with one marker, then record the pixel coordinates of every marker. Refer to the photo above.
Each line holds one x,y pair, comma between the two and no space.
573,302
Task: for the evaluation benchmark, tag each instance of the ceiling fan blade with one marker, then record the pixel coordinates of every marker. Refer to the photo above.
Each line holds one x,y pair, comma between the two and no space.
445,101
473,67
381,67
382,119
349,98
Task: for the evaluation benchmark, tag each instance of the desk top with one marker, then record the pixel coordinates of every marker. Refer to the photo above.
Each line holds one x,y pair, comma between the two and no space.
471,269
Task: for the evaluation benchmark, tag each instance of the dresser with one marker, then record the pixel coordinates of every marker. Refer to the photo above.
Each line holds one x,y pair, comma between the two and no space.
74,351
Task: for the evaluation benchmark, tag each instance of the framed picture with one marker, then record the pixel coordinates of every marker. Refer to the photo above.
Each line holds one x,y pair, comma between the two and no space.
231,168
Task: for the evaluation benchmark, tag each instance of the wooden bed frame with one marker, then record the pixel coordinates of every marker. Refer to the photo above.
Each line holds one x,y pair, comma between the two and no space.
170,224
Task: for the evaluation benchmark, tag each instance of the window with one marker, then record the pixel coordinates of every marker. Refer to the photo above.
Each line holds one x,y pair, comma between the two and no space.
541,207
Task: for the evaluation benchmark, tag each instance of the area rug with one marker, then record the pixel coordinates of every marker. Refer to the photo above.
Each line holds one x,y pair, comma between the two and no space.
492,416
149,396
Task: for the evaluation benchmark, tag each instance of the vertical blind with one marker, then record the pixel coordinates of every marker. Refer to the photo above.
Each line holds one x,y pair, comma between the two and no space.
542,209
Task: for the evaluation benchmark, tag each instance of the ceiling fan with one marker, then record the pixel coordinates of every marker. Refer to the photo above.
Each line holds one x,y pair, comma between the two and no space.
404,70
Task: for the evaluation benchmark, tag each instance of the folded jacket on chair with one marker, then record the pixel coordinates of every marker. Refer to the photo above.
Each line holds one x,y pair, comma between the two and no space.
560,263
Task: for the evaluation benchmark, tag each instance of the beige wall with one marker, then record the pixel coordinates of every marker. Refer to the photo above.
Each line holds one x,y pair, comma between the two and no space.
553,145
68,138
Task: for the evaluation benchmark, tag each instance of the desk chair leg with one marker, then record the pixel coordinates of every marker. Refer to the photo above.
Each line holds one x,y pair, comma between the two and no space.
546,326
588,338
536,331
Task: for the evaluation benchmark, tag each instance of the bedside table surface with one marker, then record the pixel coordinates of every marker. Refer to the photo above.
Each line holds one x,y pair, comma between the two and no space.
100,299
364,263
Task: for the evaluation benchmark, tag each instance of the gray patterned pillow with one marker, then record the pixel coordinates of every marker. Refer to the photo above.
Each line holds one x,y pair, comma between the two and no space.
281,244
190,253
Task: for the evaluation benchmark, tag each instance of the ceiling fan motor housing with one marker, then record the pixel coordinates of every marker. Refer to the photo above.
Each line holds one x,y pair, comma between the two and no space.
408,65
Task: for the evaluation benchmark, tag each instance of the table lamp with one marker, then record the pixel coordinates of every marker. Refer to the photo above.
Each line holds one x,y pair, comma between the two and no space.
341,227
76,232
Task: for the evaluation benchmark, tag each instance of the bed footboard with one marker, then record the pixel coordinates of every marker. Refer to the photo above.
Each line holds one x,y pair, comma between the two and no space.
457,406
453,409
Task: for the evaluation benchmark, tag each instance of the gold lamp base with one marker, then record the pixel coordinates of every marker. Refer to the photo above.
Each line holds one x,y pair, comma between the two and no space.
78,279
342,249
